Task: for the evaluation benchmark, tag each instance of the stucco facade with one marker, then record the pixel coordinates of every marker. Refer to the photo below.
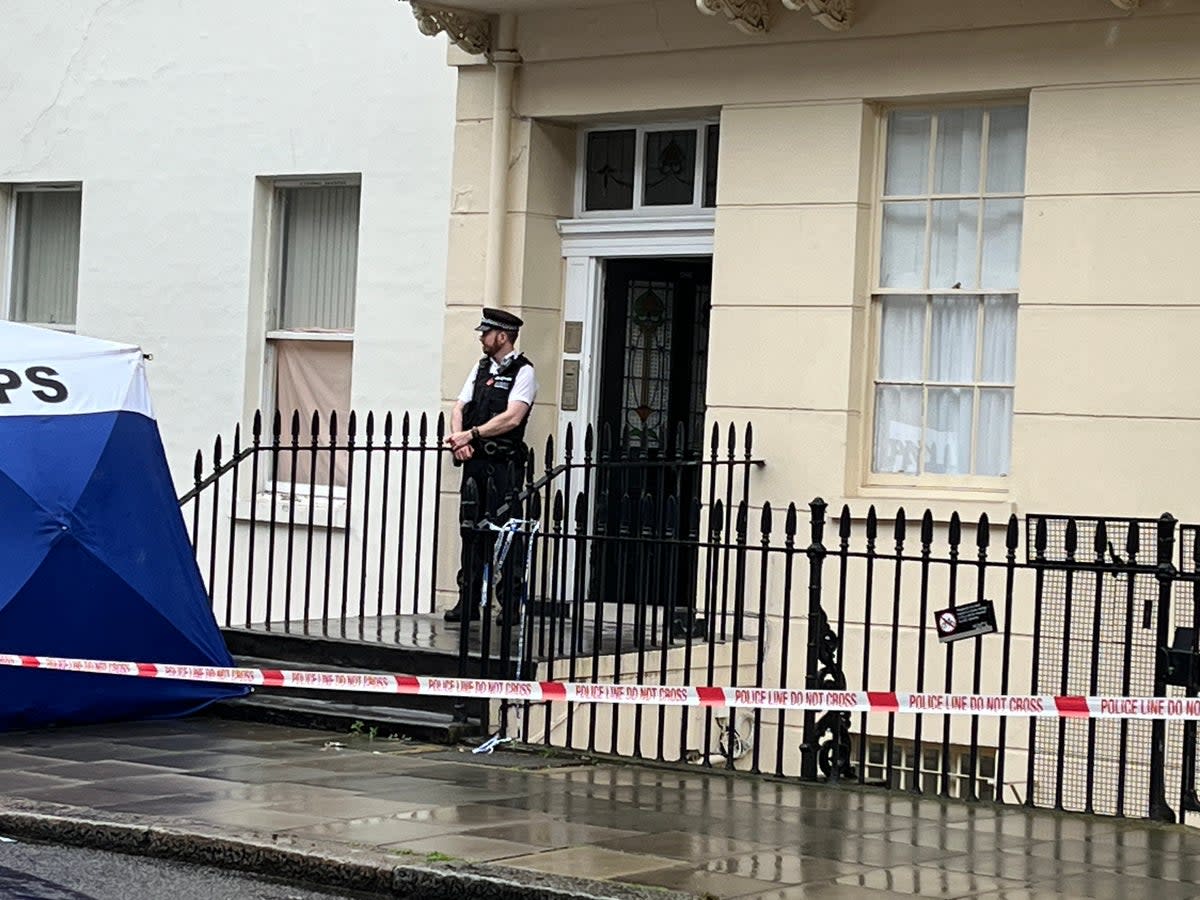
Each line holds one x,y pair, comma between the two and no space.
1101,419
174,123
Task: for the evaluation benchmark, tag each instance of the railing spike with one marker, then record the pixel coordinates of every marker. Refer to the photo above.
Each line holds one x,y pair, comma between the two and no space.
198,468
1040,537
423,428
333,429
1012,536
792,522
276,425
715,440
749,438
589,441
549,454
237,438
441,427
352,426
765,525
316,426
983,531
217,453
1071,537
295,425
927,528
256,427
900,527
370,425
388,424
558,506
844,522
569,440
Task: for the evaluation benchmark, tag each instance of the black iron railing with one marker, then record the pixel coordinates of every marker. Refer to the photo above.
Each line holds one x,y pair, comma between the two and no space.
310,525
655,566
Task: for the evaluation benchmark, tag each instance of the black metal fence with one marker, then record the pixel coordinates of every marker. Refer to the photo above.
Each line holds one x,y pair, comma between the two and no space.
313,524
656,567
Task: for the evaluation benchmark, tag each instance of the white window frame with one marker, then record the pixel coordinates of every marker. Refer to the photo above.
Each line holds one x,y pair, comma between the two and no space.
639,209
870,478
8,202
960,773
275,248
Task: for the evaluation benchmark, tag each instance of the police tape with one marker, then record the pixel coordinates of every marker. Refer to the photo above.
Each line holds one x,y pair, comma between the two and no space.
1025,706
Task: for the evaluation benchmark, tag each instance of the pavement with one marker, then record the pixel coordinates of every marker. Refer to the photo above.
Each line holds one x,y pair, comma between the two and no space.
409,820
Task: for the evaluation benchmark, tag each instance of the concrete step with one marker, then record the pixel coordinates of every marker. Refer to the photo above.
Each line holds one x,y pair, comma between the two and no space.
444,705
382,722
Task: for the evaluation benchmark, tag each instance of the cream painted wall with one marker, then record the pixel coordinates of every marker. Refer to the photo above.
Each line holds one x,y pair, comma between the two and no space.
169,113
1108,300
1106,417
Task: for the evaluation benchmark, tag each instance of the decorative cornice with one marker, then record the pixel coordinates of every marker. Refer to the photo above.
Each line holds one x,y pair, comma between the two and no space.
470,32
748,16
836,15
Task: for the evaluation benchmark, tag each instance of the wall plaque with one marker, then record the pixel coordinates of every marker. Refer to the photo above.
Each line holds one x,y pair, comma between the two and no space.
570,384
572,337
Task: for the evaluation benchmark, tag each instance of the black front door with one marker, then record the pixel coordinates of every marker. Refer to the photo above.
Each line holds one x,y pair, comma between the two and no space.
652,380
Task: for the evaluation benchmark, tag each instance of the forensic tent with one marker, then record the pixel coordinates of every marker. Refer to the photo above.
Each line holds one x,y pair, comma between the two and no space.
95,562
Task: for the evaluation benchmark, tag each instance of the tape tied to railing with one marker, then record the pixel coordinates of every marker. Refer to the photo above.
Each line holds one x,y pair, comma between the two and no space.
1019,706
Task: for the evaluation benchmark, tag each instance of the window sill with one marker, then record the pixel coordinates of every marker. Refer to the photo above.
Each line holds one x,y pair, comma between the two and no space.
970,504
259,512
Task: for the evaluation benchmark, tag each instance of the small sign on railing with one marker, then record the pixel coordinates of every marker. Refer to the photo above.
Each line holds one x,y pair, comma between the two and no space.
965,621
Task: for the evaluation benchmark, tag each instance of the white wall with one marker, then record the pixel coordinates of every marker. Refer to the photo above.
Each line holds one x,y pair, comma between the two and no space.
167,112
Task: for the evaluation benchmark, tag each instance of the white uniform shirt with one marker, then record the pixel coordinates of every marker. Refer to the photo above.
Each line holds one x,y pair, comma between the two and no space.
524,387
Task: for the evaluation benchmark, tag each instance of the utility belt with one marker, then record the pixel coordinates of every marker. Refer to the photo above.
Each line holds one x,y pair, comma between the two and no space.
499,449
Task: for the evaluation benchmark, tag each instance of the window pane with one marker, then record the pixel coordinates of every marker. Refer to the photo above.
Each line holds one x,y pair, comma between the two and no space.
712,143
320,261
956,166
907,153
897,428
995,431
902,338
1001,243
903,252
670,168
1007,130
45,269
313,376
952,339
954,244
999,339
609,182
948,431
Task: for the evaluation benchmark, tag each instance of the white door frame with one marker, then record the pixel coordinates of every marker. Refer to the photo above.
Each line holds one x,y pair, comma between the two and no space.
586,244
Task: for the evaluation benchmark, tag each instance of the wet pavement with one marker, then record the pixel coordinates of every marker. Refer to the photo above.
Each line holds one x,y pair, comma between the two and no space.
690,831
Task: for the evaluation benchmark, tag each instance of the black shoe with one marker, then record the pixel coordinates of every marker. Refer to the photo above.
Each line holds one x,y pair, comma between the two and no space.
454,613
508,619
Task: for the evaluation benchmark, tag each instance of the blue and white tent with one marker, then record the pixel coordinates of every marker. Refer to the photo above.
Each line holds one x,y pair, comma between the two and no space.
95,561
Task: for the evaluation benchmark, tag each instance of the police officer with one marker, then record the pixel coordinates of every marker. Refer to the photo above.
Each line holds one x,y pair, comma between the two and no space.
487,438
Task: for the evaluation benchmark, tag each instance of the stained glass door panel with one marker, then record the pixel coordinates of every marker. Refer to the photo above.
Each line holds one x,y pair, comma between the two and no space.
654,364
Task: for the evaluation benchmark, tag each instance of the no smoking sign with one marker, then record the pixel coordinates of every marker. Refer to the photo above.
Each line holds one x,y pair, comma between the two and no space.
968,620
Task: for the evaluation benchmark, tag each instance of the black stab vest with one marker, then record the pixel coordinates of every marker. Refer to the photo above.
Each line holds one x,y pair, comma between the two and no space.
489,399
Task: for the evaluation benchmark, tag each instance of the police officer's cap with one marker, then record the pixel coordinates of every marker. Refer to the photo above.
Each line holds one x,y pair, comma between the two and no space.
499,319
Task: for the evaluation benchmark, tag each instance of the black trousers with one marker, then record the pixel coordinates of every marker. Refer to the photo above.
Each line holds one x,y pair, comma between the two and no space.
494,481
